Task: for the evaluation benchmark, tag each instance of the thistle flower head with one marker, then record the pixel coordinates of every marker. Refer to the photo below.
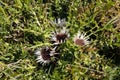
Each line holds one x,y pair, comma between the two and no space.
81,39
44,55
60,36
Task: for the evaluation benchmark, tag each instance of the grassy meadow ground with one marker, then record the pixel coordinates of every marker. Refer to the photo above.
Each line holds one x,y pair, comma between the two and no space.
27,25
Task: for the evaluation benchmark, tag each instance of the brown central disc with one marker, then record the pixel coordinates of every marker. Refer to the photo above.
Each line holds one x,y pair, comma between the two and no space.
80,42
61,37
45,54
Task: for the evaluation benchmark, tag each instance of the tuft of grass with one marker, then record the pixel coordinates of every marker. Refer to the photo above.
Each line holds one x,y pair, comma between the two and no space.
26,25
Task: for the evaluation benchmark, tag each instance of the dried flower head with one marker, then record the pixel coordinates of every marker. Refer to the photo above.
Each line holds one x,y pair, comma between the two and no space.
60,36
44,55
81,39
59,22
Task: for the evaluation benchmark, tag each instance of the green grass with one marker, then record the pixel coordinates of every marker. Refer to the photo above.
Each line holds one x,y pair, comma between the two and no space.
25,25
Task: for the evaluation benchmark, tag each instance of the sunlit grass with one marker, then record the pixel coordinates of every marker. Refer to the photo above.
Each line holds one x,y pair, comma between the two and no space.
27,25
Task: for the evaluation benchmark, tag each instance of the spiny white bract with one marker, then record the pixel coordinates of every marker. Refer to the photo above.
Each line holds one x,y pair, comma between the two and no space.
59,22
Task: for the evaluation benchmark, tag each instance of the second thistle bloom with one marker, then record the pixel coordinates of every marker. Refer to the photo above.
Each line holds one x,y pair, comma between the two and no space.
81,39
59,37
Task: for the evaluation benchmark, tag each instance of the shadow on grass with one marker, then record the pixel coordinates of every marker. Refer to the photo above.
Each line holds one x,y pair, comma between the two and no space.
48,68
112,53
